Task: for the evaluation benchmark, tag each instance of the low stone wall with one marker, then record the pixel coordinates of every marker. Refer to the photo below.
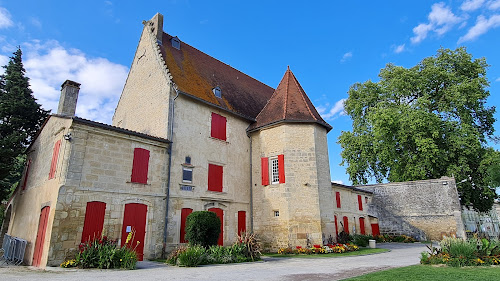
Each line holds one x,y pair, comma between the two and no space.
427,209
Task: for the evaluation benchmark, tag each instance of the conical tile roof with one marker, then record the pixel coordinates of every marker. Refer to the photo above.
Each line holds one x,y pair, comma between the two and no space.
289,103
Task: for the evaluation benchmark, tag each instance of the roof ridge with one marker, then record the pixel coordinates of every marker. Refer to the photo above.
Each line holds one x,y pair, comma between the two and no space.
302,93
287,73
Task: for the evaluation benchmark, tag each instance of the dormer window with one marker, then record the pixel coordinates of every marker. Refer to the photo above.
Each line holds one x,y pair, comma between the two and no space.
176,43
217,92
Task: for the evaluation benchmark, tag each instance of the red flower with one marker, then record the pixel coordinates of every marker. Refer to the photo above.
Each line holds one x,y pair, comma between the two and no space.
316,246
299,247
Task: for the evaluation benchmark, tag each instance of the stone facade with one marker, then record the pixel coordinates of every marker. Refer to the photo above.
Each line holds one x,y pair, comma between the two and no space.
95,164
427,209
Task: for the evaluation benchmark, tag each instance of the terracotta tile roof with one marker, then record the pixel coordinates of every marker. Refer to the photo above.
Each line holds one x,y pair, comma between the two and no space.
196,74
289,103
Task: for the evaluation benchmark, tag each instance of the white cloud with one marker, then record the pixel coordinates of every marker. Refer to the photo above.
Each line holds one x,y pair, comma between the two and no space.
441,20
482,26
338,181
346,57
471,5
3,61
5,20
399,49
336,110
48,65
493,5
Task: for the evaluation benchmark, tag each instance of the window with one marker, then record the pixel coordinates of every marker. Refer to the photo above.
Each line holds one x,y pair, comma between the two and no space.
276,170
176,43
187,175
218,129
360,203
185,212
55,156
217,92
275,176
366,200
276,213
187,160
337,198
215,177
140,166
26,174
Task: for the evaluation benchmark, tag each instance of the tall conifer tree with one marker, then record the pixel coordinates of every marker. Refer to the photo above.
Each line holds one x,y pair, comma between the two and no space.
20,118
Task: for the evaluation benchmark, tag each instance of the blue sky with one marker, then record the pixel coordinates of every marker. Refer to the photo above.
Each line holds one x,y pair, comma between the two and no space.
329,45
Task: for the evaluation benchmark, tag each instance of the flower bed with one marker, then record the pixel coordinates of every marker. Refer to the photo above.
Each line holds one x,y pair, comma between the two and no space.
458,252
318,249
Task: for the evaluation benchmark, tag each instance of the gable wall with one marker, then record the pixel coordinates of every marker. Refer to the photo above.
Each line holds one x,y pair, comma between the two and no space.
144,103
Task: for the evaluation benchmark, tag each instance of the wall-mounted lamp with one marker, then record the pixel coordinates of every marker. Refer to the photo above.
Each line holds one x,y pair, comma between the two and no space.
67,136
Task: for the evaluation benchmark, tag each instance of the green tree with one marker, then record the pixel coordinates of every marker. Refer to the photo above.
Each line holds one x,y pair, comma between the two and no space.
423,122
20,118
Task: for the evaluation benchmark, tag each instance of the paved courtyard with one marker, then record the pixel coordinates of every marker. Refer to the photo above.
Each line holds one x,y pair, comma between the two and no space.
269,269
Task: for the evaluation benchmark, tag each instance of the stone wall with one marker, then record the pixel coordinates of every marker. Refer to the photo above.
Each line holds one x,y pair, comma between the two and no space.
98,168
426,209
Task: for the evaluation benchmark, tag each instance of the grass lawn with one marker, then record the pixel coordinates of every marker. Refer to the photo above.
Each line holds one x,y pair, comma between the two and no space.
430,273
361,251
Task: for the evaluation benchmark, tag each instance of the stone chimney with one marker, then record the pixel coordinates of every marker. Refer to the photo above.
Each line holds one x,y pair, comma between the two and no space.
156,25
69,96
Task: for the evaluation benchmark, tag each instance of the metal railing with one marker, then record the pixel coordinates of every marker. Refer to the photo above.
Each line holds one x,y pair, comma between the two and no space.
13,250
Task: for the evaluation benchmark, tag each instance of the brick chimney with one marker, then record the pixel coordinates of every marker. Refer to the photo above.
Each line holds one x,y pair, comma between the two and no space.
69,96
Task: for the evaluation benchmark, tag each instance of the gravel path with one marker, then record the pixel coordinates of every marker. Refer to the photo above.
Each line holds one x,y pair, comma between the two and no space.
289,269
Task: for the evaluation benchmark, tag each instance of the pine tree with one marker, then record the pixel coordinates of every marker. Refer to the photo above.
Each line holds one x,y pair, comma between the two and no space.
20,118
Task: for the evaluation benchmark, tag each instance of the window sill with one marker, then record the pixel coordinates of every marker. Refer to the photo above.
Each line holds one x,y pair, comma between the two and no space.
132,182
223,141
216,192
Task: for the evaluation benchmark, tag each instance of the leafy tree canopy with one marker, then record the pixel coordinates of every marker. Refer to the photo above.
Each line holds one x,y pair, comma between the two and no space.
424,122
20,118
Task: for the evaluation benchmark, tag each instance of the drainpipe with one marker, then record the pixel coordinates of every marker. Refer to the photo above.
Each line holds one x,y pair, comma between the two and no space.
167,198
251,188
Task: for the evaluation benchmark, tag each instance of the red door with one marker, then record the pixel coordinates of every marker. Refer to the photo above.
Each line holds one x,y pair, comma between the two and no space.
362,225
336,227
40,236
220,214
242,222
375,229
94,221
185,212
346,225
134,218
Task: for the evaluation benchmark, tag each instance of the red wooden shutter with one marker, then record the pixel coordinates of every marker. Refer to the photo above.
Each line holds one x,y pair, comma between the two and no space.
218,128
40,236
362,225
346,225
220,214
242,222
184,214
375,229
264,161
215,177
26,174
55,156
360,203
337,198
281,168
140,166
336,226
94,221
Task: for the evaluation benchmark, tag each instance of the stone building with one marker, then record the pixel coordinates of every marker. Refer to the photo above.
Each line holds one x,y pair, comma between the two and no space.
83,179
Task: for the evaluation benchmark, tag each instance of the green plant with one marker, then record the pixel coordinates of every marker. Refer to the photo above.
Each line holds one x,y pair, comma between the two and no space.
361,240
459,248
202,228
252,245
344,237
172,257
104,253
192,256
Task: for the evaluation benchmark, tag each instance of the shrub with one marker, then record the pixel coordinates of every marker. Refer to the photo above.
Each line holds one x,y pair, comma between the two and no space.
202,228
457,247
361,240
172,258
344,237
252,245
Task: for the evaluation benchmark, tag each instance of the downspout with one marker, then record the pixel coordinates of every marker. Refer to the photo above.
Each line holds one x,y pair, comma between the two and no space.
251,188
167,198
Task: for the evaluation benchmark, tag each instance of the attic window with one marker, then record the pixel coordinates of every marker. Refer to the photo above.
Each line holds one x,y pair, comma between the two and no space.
217,92
176,43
